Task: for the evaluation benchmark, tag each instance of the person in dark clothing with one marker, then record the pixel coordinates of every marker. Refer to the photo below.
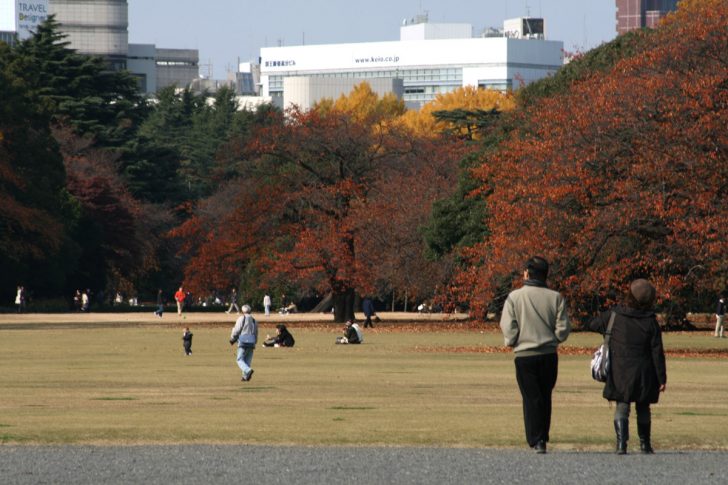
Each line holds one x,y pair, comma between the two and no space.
187,341
160,304
283,338
352,334
233,301
77,301
637,362
367,307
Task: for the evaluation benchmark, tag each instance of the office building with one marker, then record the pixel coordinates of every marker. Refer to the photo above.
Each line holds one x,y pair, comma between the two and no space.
95,27
430,59
176,67
637,14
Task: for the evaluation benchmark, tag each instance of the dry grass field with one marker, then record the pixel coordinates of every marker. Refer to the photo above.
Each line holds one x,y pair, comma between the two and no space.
124,379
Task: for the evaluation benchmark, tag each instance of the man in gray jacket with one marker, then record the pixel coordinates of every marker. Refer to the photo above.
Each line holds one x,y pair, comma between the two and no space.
245,334
534,322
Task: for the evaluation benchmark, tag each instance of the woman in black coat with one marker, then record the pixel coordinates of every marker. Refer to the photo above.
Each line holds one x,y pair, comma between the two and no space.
637,360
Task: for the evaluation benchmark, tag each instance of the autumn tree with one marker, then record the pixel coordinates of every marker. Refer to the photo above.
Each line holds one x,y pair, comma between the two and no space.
311,198
119,237
36,210
463,112
325,164
398,207
622,176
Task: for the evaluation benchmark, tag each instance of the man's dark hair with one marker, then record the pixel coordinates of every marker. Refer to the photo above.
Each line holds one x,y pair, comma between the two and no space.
538,268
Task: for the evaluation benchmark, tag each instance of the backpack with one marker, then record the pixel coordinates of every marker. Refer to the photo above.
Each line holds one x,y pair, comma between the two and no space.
600,363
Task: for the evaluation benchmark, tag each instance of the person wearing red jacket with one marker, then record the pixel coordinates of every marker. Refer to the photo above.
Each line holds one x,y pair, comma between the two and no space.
179,297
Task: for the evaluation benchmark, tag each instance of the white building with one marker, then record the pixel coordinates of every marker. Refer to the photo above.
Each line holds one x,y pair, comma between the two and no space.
21,18
429,58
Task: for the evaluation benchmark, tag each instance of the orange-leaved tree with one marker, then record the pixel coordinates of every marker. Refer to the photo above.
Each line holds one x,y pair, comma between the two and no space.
323,165
311,197
622,176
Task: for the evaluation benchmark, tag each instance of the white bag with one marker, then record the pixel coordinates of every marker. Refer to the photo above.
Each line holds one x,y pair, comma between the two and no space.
600,365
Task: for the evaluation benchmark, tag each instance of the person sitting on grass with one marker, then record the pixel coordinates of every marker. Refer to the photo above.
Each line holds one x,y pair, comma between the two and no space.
283,338
352,334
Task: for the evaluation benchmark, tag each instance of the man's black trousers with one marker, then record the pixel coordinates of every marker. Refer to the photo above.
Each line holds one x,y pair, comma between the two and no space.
536,376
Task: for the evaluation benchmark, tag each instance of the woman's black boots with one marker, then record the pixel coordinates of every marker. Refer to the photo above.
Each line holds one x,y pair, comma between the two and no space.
621,428
643,429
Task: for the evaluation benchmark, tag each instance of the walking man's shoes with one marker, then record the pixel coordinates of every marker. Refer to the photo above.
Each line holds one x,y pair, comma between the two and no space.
540,447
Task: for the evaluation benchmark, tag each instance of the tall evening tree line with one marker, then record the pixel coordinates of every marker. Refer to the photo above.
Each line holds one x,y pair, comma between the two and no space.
613,168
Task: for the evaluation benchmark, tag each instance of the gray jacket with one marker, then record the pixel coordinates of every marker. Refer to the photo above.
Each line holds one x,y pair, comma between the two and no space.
534,320
244,325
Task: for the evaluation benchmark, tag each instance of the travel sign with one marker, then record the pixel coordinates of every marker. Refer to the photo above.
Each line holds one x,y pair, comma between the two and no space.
29,14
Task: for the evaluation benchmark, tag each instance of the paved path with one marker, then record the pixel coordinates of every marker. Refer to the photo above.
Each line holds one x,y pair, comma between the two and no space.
195,464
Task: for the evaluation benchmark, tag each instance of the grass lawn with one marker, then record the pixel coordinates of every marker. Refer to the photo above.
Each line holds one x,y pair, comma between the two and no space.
134,385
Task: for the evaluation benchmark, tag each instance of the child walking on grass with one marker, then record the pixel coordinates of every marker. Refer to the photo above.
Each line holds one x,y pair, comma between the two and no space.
187,341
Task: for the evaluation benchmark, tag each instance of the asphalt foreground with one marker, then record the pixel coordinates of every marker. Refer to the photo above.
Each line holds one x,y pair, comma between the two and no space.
322,465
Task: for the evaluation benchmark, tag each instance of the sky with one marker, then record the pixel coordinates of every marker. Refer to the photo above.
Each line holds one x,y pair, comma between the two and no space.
228,31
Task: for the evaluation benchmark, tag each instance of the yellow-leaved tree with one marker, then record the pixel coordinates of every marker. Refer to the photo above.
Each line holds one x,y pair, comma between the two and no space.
466,99
364,105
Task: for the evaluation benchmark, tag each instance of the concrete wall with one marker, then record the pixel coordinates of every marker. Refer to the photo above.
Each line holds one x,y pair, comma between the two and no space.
304,92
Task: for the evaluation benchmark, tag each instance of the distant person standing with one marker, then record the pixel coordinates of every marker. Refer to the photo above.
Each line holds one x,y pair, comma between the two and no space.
267,304
368,309
187,341
85,300
77,301
179,297
245,333
234,301
534,322
160,303
720,317
20,299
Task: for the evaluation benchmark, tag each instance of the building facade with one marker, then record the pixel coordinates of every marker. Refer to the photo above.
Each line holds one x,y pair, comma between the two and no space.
95,27
430,59
637,14
176,67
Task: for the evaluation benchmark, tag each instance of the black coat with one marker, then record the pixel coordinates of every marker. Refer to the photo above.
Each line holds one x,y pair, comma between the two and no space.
285,339
636,353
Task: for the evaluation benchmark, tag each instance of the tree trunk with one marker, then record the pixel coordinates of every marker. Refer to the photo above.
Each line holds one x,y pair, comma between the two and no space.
344,305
